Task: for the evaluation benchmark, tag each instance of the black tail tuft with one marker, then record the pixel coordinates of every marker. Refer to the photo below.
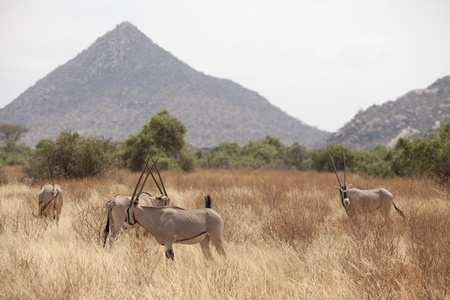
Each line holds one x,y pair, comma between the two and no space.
399,211
106,231
208,201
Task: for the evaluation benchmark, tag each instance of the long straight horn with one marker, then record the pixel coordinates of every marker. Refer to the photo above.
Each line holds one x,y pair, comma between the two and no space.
145,180
139,181
159,188
162,183
337,176
345,172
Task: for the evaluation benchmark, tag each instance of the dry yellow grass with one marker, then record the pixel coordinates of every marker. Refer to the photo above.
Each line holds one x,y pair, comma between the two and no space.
286,236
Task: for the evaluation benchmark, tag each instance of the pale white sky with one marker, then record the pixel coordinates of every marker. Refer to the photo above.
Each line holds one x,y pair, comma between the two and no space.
320,61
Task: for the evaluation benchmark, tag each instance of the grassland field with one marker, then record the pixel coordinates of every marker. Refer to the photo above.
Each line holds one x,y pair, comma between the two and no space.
286,236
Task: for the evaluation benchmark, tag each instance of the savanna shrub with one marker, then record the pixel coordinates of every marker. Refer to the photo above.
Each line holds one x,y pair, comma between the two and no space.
163,137
71,155
428,156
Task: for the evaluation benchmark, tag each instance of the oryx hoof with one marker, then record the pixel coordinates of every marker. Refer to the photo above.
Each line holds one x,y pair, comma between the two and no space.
170,254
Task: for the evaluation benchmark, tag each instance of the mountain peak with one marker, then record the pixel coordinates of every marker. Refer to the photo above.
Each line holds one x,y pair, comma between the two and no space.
125,25
120,81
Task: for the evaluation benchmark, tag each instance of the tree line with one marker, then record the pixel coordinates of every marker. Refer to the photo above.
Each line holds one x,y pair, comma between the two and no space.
71,155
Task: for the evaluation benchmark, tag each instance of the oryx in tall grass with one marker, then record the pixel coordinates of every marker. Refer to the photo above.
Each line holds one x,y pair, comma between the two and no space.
50,202
357,201
116,208
171,224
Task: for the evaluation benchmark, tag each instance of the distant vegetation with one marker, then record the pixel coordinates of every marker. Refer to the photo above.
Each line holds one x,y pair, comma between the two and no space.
73,155
163,137
267,153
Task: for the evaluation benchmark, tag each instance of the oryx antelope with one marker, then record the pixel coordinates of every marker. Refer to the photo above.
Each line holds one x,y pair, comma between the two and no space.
50,202
173,224
357,201
116,207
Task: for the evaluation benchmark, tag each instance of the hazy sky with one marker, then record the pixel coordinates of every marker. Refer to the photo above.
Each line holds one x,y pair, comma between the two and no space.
320,61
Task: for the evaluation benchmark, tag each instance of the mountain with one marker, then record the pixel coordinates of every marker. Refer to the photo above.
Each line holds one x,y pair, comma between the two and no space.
118,83
410,115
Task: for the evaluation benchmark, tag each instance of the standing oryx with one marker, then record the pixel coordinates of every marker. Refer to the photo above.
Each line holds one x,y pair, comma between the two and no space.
173,224
50,201
357,201
116,207
177,225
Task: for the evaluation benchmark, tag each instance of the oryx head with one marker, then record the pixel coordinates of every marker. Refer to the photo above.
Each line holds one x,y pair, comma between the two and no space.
135,198
163,200
343,189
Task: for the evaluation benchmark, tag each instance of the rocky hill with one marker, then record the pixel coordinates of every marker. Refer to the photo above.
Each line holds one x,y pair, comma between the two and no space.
118,83
410,115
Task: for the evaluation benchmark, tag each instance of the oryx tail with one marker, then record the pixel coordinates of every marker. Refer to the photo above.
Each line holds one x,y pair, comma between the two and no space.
106,231
398,210
208,201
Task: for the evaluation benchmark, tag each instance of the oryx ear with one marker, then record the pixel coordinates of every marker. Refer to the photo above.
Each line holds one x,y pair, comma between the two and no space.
338,188
349,185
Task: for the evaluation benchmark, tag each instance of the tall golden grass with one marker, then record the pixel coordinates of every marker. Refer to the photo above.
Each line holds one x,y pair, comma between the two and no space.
286,236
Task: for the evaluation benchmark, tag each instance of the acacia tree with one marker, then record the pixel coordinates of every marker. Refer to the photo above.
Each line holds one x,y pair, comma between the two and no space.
12,133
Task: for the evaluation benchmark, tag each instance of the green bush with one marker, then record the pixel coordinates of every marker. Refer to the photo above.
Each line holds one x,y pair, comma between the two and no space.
163,137
14,154
320,160
71,155
266,153
428,156
296,157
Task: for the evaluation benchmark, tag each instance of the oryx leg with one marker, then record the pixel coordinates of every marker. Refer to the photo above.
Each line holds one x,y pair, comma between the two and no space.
115,228
49,211
219,246
216,238
54,214
205,246
58,213
386,209
169,251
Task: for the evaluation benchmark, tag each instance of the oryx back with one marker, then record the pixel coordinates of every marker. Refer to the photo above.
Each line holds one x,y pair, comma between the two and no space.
368,201
171,225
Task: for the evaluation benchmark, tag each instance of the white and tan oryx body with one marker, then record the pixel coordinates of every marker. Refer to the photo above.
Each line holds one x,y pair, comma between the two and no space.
172,224
358,201
50,202
116,209
368,201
